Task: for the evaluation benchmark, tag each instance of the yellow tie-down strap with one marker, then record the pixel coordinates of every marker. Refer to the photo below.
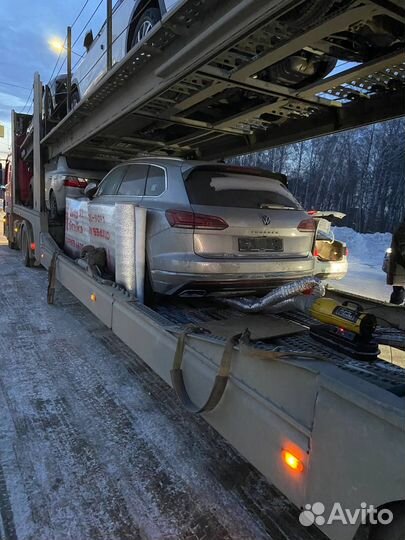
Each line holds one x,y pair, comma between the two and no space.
222,376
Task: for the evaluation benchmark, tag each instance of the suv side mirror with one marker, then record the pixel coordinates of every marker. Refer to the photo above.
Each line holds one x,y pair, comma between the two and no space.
88,40
90,190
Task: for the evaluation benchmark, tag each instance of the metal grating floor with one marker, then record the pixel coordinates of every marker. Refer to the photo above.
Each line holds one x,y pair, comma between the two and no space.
381,373
185,92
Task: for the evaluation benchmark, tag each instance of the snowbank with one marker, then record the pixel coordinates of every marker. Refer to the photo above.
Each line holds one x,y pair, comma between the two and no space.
366,253
366,248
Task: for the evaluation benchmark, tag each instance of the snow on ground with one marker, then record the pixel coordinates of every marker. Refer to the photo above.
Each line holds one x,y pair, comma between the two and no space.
94,445
366,253
367,248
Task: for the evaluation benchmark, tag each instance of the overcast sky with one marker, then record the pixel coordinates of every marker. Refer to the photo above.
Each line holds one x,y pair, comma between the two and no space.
26,26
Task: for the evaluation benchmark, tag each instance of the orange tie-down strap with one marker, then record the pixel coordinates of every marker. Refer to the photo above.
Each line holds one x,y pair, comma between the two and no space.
224,370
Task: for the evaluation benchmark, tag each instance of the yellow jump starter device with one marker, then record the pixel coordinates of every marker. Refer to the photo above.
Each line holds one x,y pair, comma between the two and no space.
346,328
348,315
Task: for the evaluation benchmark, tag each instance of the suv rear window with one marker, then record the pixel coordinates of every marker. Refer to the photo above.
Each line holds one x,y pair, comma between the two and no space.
219,188
155,184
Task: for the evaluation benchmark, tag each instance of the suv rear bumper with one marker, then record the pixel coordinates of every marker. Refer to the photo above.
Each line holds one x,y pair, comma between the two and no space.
331,269
214,277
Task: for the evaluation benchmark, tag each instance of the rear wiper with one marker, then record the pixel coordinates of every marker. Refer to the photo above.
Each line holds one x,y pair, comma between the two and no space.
269,205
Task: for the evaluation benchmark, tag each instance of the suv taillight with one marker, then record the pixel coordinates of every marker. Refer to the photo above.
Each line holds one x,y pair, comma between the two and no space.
74,181
188,220
307,225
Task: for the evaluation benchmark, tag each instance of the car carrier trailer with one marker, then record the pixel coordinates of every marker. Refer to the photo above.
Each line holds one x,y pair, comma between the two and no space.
319,424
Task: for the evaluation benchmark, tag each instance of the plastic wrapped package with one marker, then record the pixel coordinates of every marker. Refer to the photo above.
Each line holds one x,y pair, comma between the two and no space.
77,233
130,231
102,230
125,246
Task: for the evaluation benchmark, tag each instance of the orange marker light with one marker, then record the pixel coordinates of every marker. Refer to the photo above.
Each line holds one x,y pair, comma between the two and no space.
32,246
293,462
93,297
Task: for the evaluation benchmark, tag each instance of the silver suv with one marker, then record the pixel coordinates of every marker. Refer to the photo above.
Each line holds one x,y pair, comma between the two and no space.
212,227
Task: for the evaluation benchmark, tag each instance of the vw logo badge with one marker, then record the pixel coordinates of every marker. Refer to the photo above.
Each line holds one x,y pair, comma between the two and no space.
266,220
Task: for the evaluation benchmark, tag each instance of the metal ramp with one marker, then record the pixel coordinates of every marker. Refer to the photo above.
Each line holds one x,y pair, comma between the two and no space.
201,84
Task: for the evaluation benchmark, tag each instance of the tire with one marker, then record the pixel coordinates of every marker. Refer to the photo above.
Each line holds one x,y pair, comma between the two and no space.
53,207
287,72
75,100
25,249
307,13
12,245
144,25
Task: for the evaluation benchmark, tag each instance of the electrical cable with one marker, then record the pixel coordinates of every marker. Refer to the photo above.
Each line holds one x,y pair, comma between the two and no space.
105,52
57,61
64,43
15,85
28,98
80,12
85,26
116,38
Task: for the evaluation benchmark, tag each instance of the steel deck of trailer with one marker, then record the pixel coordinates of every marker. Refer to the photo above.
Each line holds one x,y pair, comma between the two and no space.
338,417
93,444
195,312
171,94
332,411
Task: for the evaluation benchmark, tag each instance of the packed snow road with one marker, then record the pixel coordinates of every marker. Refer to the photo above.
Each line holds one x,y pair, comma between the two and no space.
93,445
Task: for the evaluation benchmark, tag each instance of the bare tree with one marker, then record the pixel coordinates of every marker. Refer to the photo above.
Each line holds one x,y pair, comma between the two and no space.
359,172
